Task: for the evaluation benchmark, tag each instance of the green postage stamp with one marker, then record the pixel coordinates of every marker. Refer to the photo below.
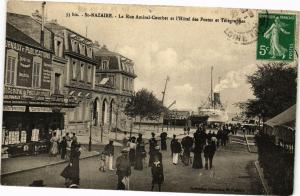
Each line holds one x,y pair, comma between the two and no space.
276,36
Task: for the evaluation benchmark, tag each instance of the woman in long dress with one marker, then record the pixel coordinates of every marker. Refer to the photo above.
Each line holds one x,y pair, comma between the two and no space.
71,172
140,156
54,145
132,147
276,49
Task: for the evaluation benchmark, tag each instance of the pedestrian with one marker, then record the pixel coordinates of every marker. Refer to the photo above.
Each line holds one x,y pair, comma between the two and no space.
140,156
125,139
109,149
132,149
140,139
219,137
163,140
63,145
176,150
69,144
199,138
187,144
102,161
209,135
171,144
188,130
214,139
152,144
123,170
209,152
74,138
157,169
54,145
71,172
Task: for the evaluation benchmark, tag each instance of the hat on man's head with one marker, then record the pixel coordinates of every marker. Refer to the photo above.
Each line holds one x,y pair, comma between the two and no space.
153,134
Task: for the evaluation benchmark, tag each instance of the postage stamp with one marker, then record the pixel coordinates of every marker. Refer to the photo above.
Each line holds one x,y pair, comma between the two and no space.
276,36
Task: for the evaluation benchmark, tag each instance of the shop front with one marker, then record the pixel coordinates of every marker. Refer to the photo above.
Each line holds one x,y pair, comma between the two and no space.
28,123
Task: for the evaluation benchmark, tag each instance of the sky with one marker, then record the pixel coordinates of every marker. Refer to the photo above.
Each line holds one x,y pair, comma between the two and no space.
183,50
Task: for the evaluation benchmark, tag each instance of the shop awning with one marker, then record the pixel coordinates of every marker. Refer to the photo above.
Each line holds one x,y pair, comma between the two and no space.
286,118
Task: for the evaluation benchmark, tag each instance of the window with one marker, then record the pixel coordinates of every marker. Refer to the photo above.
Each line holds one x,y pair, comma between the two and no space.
74,69
112,80
36,75
82,71
104,64
82,49
57,83
89,73
58,49
10,70
74,45
89,52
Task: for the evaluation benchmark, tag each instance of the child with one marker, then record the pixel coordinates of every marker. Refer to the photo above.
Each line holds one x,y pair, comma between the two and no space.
102,161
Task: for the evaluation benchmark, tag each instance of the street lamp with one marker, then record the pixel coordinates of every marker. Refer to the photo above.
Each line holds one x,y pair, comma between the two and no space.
91,125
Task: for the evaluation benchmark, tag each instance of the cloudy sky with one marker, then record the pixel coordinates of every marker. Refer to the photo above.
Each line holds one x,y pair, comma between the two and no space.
185,51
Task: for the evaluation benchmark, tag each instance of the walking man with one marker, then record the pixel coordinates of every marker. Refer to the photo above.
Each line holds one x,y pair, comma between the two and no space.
209,152
123,170
176,150
157,169
109,149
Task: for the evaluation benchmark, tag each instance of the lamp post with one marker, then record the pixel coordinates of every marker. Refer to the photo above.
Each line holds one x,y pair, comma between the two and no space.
91,125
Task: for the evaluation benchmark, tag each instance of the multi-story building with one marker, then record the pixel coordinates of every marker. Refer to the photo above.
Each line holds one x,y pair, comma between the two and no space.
114,85
79,75
30,101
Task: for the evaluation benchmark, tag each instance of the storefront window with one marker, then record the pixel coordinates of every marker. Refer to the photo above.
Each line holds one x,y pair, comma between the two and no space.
36,80
10,70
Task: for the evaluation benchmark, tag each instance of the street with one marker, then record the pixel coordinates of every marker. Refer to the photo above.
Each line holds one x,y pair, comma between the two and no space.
233,172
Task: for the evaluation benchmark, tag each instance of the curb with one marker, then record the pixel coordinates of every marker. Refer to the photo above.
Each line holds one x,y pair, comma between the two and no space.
50,164
261,177
248,144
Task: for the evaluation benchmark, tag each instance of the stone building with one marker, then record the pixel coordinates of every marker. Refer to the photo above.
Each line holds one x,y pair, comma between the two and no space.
114,85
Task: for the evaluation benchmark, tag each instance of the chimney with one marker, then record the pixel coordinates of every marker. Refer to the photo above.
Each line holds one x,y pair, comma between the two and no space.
43,24
217,100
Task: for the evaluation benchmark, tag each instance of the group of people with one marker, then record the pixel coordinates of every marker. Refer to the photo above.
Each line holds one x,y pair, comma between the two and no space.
200,143
62,145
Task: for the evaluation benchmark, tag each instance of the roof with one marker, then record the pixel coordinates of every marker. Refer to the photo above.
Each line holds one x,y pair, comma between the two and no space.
288,117
103,51
14,34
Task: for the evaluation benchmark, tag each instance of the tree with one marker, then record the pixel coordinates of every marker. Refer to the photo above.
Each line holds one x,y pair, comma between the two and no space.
274,86
145,105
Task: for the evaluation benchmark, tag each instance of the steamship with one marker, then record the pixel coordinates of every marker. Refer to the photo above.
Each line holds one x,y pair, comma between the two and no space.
213,108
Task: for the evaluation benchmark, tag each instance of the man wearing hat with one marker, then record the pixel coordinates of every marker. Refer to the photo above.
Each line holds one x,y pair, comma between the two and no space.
152,144
176,149
123,170
109,149
157,169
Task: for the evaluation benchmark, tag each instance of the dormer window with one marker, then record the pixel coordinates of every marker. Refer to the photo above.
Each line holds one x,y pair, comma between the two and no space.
104,64
82,49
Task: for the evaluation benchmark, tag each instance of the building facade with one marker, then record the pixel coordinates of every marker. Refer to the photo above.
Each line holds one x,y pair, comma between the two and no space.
114,85
31,107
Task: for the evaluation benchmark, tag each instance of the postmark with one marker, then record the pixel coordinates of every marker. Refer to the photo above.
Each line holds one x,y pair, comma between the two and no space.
242,33
276,36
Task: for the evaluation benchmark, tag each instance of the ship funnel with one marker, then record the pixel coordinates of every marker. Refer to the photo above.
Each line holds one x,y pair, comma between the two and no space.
217,100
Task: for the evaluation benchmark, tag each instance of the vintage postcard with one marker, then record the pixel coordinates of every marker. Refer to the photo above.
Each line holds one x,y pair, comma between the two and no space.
149,98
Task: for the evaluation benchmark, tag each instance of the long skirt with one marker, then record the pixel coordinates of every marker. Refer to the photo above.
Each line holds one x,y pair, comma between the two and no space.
138,163
132,157
197,163
186,157
163,145
175,158
54,148
109,162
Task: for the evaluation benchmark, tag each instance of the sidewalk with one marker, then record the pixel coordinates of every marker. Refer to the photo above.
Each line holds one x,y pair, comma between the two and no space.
25,163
